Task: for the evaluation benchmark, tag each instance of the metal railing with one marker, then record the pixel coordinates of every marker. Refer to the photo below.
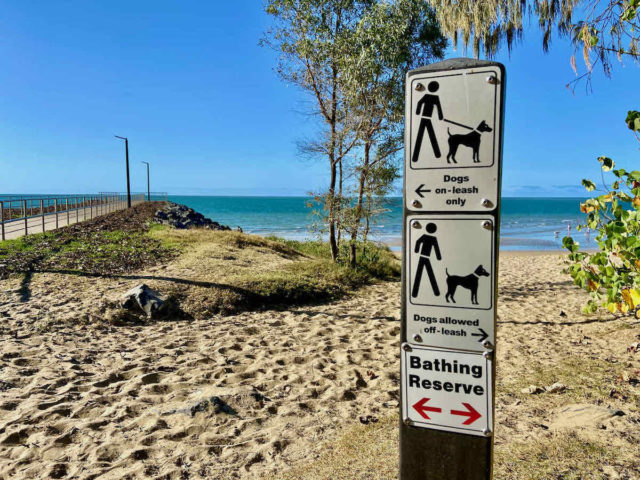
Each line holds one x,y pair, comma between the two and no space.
154,196
26,215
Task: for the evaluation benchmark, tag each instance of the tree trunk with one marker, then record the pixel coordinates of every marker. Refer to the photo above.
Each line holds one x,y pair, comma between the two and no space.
332,208
353,259
339,212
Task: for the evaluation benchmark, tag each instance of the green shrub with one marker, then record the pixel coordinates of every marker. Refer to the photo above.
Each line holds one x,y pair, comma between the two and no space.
611,275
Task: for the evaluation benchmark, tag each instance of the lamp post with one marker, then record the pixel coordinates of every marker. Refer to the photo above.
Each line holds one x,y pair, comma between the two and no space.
148,188
126,146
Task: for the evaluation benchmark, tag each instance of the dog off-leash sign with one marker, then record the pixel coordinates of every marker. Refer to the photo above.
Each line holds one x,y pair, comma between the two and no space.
453,142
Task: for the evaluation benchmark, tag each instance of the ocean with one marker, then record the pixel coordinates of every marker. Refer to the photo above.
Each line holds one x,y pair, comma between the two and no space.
526,224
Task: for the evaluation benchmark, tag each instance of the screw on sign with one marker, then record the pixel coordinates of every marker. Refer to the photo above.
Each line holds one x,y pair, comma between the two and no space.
453,147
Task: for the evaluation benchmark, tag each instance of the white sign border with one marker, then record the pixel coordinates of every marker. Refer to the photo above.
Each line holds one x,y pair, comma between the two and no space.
406,349
491,70
448,216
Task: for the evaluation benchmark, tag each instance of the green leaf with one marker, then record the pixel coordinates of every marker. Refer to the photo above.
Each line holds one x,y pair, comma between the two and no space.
628,15
633,120
589,185
607,163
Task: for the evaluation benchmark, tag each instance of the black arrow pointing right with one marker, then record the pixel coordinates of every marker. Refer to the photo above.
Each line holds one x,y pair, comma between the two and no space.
483,335
421,190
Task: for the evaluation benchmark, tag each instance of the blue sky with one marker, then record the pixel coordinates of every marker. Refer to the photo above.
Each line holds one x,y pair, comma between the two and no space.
198,98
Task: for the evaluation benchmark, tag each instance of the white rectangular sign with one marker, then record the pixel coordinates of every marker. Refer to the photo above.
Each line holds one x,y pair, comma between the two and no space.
447,390
453,133
450,281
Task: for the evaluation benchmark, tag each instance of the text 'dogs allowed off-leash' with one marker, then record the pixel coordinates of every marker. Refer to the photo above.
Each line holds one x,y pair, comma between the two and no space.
450,281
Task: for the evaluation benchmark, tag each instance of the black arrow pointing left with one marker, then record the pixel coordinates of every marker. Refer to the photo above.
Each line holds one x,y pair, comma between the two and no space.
421,190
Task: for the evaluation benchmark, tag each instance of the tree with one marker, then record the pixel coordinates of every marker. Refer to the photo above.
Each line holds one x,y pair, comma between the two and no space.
352,57
391,38
310,36
603,30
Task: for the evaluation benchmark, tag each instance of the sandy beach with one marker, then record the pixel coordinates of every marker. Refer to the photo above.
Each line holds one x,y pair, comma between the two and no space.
253,394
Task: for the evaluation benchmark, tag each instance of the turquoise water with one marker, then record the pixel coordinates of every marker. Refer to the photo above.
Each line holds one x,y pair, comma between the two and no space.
527,223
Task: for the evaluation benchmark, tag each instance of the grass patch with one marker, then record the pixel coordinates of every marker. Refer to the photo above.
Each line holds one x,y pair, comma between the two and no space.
587,380
208,272
562,456
114,243
363,452
235,272
370,452
373,258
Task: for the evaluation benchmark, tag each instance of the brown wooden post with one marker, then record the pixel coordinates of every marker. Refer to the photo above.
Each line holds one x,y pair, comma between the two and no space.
42,214
24,210
55,209
442,438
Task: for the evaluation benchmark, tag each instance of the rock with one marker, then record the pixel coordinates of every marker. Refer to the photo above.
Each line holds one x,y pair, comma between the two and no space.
360,381
556,388
367,419
582,415
532,389
183,217
142,299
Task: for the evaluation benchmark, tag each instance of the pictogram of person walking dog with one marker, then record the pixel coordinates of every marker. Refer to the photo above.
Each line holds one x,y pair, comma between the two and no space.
430,104
428,249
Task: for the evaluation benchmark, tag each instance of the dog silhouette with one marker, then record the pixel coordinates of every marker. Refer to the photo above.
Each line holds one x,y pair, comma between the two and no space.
470,282
471,140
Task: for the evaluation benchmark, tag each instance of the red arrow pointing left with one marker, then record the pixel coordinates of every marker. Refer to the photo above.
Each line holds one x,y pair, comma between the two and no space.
471,412
422,409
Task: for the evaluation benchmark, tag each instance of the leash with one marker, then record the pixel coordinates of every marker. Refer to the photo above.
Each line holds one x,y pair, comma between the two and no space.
459,124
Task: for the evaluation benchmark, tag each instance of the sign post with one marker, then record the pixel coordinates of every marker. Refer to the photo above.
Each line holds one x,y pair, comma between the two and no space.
453,155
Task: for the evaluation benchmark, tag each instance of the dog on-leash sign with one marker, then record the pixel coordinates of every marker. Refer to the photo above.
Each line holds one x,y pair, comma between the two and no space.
453,139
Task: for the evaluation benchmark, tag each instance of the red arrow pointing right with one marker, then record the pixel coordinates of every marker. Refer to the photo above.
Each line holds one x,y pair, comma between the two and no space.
422,409
470,412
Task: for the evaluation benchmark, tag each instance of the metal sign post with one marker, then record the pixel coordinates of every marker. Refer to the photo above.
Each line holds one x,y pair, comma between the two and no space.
453,147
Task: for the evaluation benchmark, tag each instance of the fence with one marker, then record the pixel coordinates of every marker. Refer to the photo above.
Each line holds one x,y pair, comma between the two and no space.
25,215
151,197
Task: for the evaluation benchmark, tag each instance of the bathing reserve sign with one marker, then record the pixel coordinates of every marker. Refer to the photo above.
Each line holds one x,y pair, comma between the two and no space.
446,390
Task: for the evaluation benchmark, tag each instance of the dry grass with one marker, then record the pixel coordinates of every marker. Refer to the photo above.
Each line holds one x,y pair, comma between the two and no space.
364,452
229,272
563,456
371,453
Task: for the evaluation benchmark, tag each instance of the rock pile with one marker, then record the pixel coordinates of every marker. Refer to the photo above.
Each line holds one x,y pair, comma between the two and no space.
181,216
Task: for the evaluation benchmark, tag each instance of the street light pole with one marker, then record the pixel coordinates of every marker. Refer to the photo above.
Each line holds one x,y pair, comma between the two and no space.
148,188
126,146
